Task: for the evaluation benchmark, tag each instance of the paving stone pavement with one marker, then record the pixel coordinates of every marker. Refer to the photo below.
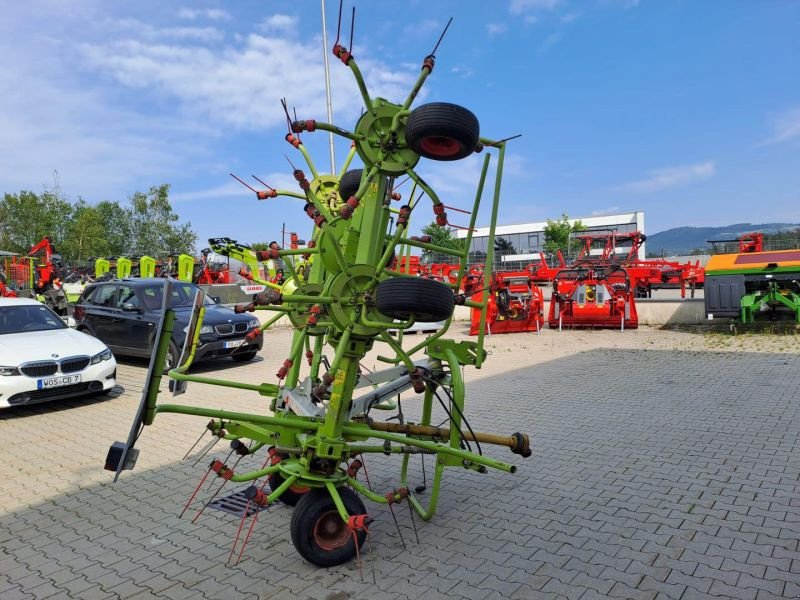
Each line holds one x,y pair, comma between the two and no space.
656,474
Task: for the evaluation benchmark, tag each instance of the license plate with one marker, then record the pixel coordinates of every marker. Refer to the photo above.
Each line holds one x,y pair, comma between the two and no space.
52,382
235,343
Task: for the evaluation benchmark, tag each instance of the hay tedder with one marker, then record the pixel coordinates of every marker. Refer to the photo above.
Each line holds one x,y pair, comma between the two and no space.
592,297
320,421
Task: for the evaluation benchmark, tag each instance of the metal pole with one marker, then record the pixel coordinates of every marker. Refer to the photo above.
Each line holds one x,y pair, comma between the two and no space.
328,84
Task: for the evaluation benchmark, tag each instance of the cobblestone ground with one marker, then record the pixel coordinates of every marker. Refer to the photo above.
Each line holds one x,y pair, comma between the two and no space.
665,473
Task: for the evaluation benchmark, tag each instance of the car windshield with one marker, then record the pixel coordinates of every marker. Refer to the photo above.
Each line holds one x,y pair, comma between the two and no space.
29,317
182,296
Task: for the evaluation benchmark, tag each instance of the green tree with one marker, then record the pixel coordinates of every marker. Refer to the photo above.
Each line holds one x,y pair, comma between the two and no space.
154,227
117,226
557,235
25,218
440,236
85,234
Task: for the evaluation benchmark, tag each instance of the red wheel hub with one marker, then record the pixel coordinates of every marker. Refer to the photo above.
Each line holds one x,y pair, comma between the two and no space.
440,146
330,532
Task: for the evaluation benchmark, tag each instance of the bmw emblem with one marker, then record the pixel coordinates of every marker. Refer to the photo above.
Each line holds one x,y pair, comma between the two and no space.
54,355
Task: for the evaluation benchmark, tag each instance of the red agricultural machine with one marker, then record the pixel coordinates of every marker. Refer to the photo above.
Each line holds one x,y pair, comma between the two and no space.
593,297
515,302
40,272
603,249
748,242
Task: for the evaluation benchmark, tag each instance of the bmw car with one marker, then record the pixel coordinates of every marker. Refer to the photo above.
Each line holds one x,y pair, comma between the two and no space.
41,359
124,313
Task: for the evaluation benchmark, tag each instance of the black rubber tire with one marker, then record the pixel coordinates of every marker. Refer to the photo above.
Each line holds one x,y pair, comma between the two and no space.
442,131
316,508
173,356
349,183
242,357
427,300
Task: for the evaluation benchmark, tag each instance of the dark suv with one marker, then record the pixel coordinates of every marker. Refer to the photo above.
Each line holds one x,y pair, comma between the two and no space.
123,313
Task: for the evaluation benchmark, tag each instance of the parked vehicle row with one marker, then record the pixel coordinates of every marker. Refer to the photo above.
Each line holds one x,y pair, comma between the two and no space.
41,359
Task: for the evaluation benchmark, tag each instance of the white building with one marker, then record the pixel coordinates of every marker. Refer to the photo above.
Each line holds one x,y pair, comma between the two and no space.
527,239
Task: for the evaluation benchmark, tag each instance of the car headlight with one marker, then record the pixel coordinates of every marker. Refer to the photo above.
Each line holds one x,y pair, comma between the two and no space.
104,355
8,371
205,329
253,323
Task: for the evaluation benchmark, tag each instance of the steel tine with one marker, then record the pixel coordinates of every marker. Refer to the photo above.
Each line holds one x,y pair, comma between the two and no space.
397,525
195,444
206,450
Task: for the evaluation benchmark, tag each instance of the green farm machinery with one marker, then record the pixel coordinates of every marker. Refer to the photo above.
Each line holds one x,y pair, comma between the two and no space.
348,298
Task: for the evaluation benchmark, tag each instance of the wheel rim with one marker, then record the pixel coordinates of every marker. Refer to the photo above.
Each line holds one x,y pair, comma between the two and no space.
330,532
440,146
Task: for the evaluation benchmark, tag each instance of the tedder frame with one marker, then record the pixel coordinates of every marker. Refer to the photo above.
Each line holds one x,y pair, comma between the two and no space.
348,297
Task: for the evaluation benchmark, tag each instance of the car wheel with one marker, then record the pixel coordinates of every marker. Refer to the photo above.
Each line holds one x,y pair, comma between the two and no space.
244,356
173,356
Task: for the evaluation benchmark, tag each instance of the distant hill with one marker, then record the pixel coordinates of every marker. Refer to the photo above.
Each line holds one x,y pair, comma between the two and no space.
682,240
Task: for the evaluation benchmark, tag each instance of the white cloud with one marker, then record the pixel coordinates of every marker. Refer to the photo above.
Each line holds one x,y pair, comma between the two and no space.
496,28
550,42
242,85
786,126
570,17
143,30
234,189
519,7
213,14
463,71
423,28
670,177
278,22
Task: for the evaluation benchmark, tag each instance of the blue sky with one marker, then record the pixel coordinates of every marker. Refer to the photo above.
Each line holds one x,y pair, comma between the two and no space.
687,110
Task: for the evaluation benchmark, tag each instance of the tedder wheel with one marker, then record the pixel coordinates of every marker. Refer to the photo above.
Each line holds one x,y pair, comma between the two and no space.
348,184
424,299
244,356
294,493
318,531
442,131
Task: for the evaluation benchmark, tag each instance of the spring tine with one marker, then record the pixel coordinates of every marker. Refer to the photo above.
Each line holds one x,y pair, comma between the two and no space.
441,37
214,495
238,532
358,555
352,27
371,559
227,458
197,489
206,450
397,525
195,444
413,522
366,472
247,537
339,24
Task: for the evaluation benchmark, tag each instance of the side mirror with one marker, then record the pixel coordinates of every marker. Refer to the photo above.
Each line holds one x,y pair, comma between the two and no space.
215,299
130,307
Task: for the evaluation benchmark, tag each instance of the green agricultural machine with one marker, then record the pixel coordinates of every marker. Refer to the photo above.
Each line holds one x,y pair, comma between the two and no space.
754,286
320,424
